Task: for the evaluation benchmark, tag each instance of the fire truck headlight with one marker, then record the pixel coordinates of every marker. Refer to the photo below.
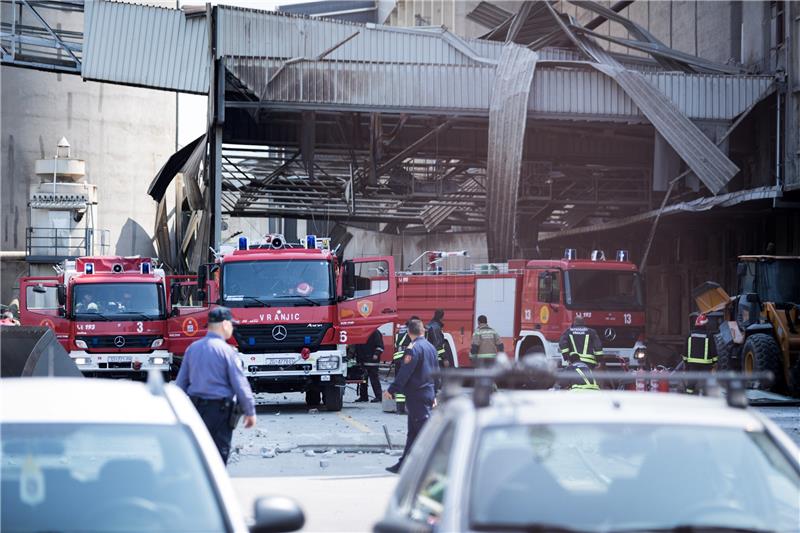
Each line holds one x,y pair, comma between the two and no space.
82,360
157,360
328,363
157,343
640,354
81,344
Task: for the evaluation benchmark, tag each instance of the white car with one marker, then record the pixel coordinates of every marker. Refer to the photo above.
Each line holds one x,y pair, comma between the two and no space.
103,455
599,462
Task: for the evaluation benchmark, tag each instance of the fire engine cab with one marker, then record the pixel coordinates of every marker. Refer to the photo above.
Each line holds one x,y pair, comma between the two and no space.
530,303
298,308
109,313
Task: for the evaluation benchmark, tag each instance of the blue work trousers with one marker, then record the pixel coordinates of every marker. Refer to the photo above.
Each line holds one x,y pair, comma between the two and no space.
418,409
216,415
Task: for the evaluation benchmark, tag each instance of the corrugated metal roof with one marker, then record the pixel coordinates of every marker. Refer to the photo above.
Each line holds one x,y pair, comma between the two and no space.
707,161
489,15
507,123
145,46
468,88
387,86
249,33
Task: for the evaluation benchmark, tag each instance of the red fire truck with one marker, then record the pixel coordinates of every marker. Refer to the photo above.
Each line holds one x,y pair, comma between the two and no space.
297,309
531,303
109,313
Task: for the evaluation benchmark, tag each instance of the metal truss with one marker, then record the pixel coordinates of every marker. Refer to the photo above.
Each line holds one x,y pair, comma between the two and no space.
28,40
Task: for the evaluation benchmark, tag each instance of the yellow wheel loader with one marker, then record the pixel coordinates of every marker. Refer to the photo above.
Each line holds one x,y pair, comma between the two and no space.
760,328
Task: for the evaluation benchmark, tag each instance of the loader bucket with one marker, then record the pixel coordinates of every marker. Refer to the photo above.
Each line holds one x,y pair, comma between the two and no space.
710,297
29,351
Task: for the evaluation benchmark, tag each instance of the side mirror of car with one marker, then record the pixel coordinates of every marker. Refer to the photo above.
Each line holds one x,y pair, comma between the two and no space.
276,514
401,525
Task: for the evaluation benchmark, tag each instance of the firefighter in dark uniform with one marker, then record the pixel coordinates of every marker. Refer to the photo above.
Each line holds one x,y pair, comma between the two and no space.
368,356
213,379
581,341
486,344
701,351
434,332
401,342
415,380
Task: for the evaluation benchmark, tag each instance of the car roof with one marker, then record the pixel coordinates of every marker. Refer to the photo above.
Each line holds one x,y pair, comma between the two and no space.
80,400
610,407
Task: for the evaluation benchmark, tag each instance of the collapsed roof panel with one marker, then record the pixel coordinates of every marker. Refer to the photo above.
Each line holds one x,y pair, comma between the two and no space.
507,123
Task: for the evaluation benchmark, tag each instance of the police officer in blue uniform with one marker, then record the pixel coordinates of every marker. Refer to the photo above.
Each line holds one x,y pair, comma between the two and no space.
213,378
415,380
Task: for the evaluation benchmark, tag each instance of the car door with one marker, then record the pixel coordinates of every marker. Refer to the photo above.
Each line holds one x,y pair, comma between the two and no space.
188,312
369,298
39,306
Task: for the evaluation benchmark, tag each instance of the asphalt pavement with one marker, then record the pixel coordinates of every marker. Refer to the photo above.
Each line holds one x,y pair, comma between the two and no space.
331,463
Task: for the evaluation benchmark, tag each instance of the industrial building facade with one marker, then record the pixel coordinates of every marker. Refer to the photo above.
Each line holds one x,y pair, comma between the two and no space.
539,126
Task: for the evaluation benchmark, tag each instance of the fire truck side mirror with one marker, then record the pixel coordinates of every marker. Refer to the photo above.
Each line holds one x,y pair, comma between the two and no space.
202,296
61,294
202,276
348,279
546,293
174,294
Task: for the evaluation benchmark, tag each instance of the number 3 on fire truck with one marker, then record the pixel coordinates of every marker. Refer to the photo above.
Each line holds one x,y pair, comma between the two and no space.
626,317
139,327
343,337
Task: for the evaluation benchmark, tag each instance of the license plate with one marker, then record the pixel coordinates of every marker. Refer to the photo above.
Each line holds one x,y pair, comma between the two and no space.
325,378
119,358
280,362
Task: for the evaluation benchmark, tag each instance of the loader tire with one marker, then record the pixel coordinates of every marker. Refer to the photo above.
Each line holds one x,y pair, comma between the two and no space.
762,353
794,379
725,357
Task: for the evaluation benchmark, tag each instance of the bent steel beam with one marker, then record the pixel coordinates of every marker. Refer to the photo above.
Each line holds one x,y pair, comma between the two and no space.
508,113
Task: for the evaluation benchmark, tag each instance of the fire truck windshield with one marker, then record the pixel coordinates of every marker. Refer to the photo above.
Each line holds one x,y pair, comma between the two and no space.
602,290
277,282
122,301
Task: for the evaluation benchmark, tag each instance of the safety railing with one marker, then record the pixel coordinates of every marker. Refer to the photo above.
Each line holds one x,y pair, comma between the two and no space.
59,243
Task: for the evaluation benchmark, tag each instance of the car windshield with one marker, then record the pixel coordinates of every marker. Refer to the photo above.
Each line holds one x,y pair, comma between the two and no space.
127,301
602,289
286,282
774,281
618,477
104,477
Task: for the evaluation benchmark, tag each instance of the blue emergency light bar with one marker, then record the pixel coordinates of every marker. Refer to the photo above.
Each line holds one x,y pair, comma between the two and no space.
243,243
88,268
145,267
311,242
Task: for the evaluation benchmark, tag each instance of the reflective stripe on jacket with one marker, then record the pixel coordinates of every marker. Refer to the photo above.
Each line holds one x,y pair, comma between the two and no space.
697,350
487,340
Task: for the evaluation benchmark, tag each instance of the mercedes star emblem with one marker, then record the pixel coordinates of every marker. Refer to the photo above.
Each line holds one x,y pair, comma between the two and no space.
610,334
279,333
119,341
